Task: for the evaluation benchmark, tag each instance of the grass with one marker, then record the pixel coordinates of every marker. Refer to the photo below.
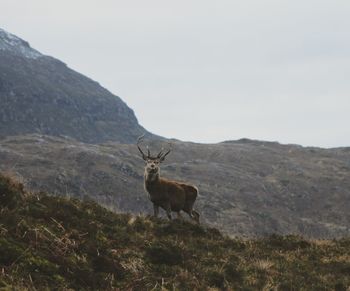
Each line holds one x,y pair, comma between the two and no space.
56,243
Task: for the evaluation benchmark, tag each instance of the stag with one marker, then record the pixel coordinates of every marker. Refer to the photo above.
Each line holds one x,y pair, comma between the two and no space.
167,194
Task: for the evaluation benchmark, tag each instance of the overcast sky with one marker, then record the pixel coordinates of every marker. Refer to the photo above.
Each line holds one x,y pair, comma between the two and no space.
207,71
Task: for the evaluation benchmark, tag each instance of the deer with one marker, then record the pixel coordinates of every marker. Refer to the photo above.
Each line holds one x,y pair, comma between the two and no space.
168,194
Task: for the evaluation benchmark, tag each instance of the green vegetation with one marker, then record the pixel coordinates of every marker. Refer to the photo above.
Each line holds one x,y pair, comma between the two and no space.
55,243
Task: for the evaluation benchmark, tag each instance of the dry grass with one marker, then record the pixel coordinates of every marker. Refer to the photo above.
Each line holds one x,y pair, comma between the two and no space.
59,243
263,265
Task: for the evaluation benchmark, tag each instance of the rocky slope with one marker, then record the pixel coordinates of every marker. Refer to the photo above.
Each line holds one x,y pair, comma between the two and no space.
52,243
246,187
40,94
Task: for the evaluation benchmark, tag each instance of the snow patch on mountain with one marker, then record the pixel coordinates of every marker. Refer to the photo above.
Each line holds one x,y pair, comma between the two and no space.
17,46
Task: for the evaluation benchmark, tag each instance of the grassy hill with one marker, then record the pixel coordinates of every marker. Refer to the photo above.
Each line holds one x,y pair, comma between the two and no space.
57,243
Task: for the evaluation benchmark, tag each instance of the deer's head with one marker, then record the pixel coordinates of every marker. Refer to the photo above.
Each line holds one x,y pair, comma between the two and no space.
152,162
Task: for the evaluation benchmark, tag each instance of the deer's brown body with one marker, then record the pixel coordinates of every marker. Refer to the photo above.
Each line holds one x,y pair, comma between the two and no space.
168,194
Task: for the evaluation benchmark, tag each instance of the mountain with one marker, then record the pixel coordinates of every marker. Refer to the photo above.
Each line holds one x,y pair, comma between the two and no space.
66,135
40,94
56,243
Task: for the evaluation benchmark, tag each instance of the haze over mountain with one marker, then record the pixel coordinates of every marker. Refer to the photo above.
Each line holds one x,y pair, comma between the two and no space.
52,117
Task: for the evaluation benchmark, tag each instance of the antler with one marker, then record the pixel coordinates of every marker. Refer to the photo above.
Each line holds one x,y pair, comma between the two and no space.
142,153
160,153
162,156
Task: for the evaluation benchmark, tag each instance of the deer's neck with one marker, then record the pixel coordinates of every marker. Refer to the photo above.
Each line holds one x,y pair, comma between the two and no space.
151,178
152,186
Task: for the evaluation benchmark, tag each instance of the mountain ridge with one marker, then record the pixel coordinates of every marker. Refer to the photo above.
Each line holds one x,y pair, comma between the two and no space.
17,46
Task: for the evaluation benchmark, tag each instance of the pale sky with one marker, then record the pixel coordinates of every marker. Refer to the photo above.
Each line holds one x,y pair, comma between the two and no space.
207,71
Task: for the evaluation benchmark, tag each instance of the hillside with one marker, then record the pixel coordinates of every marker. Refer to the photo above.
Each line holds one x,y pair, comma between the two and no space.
40,94
49,242
247,188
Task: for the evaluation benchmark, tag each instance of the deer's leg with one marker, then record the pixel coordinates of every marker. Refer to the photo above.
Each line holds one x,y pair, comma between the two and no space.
168,211
195,215
189,212
179,216
155,210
